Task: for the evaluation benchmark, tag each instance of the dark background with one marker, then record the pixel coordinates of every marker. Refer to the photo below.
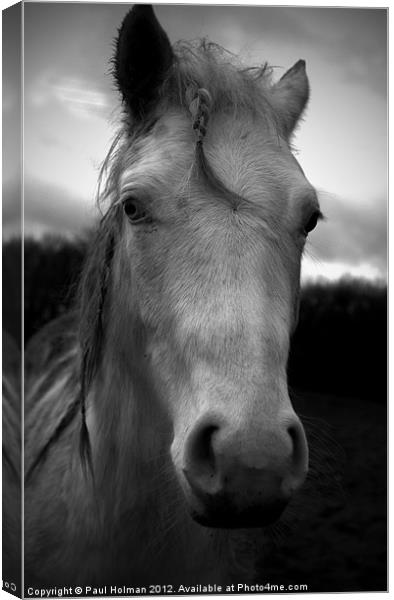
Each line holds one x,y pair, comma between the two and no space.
334,539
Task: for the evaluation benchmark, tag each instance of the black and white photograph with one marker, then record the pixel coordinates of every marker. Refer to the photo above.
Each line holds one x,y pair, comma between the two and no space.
195,209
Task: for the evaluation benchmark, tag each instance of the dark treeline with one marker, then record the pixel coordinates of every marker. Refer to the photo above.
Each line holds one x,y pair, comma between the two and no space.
52,267
340,345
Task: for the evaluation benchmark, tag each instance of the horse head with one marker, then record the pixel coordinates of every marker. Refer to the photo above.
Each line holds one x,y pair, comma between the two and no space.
210,216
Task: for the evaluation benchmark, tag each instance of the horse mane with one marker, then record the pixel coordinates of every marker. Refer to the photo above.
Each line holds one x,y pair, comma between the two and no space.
204,64
92,295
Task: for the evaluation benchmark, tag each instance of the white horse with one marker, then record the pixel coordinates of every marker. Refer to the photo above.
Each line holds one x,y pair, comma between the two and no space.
159,429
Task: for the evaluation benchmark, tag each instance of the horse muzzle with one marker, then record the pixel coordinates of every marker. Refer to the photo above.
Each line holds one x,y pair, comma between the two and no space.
238,478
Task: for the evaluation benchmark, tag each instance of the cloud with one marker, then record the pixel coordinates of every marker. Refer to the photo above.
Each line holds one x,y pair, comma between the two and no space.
49,207
80,97
12,206
352,40
351,235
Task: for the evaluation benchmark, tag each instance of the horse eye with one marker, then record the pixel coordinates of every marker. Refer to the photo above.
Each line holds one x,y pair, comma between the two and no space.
135,212
311,224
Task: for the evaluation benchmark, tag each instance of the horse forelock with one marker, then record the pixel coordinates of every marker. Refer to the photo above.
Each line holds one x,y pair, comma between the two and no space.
233,90
205,70
231,86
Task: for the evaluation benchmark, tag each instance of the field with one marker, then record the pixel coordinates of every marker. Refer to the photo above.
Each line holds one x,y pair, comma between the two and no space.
339,542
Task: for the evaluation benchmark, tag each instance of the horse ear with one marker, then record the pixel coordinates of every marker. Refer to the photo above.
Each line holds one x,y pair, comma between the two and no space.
291,95
143,57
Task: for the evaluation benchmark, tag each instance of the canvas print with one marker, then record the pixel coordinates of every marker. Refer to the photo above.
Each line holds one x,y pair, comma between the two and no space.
194,299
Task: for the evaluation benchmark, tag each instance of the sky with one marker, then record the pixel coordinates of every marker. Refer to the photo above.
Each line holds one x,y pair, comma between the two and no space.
71,111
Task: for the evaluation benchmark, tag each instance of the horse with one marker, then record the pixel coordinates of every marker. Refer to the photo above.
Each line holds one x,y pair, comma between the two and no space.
160,438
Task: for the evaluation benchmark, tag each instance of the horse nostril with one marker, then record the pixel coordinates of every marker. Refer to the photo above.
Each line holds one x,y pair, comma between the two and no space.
200,463
299,456
201,454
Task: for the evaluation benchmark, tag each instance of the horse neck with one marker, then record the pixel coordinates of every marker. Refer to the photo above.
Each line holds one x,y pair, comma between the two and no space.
129,431
136,483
